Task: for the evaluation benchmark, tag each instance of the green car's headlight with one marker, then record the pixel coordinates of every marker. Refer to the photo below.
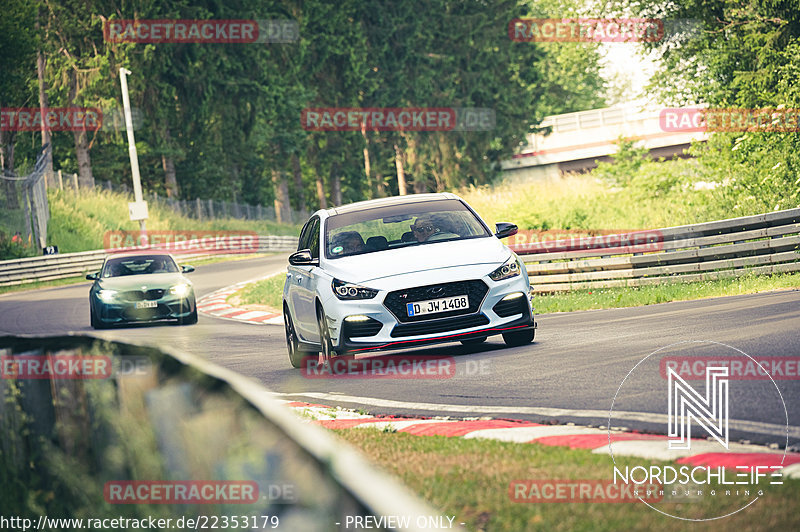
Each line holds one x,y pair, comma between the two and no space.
180,290
107,295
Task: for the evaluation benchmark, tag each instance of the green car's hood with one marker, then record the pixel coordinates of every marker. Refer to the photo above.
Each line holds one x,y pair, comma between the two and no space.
148,280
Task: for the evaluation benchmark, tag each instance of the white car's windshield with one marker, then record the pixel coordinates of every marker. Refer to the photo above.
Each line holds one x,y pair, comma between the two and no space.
396,226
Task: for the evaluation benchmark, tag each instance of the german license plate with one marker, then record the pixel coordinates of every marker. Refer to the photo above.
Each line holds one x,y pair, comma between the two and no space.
146,304
434,306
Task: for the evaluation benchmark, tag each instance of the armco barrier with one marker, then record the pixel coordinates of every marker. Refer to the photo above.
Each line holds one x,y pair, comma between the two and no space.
50,267
74,447
760,244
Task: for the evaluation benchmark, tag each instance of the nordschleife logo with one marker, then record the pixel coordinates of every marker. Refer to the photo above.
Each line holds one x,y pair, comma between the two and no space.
710,443
686,404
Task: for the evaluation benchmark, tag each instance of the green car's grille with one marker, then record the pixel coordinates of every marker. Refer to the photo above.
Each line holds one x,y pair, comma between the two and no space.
142,295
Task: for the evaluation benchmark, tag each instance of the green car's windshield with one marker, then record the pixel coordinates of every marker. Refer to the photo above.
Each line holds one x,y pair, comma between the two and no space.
139,265
395,226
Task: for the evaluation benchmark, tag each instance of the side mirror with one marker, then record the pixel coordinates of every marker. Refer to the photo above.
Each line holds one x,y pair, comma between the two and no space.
303,258
187,268
505,230
92,276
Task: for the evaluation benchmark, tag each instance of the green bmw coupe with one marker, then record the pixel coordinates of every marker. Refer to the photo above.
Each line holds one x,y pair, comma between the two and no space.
141,287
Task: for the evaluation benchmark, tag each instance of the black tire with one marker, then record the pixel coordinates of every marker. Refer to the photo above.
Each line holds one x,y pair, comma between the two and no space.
296,355
191,319
327,352
518,338
474,341
96,323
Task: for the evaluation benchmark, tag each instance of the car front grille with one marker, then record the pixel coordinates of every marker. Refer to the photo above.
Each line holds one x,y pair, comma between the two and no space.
143,295
396,301
439,326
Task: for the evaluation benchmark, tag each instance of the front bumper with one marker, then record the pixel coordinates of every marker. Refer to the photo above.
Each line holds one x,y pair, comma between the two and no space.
168,308
383,330
348,346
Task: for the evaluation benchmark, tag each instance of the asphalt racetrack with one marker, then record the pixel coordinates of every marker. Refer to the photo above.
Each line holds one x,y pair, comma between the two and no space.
572,372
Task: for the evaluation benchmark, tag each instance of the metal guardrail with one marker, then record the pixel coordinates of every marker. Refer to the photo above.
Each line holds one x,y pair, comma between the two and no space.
62,266
761,244
155,416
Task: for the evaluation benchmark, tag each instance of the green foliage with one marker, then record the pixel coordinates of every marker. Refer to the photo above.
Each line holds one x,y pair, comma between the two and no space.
226,116
625,163
78,222
741,55
13,250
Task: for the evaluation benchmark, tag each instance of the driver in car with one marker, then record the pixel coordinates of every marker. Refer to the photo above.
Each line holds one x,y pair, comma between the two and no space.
435,226
423,227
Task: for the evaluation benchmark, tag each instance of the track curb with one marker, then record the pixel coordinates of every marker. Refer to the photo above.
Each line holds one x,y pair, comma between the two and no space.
215,305
649,446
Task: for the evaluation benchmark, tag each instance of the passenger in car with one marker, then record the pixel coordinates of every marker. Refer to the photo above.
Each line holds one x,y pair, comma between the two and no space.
351,242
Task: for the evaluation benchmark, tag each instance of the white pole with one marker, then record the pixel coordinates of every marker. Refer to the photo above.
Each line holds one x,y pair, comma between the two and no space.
126,104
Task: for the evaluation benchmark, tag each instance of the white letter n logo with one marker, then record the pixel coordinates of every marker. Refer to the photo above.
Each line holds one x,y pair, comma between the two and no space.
710,412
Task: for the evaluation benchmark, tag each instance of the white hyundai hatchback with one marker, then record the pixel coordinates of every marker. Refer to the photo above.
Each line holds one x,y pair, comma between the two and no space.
399,273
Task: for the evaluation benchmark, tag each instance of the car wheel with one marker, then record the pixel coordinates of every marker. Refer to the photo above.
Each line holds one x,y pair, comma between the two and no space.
191,319
96,323
474,341
296,355
518,338
326,353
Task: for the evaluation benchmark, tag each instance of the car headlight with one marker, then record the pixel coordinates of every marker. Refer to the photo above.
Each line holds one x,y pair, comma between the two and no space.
346,291
511,268
107,295
180,290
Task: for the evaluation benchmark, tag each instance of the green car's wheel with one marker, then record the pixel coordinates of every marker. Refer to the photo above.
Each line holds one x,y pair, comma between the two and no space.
191,319
96,323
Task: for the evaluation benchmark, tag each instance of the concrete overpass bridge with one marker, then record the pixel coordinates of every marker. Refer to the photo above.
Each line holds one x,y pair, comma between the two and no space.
580,139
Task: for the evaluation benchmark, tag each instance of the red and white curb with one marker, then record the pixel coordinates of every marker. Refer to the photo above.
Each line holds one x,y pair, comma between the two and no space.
648,446
215,304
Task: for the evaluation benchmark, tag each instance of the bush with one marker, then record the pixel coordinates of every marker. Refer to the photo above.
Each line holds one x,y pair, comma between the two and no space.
14,250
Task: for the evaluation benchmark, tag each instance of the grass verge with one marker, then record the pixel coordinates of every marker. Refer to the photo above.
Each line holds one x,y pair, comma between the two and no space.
650,295
470,478
265,292
78,221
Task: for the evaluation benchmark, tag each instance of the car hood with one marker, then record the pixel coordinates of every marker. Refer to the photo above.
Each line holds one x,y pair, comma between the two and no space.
136,282
413,259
